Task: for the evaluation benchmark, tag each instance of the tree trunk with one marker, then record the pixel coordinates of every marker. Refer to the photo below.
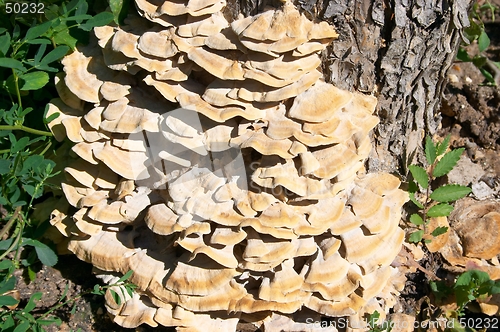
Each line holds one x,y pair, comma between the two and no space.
400,50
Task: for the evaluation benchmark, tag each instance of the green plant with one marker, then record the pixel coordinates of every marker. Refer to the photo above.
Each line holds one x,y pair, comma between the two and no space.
469,286
376,326
27,57
20,320
31,46
434,203
476,32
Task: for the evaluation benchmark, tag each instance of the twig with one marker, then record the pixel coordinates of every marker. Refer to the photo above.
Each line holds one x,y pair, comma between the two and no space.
411,262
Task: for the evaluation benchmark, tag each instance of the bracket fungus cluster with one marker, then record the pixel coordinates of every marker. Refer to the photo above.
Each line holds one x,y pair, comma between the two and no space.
214,162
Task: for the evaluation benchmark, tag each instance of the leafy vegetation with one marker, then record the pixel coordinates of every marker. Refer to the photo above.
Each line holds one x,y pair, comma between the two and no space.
434,203
469,286
376,326
31,47
477,32
23,319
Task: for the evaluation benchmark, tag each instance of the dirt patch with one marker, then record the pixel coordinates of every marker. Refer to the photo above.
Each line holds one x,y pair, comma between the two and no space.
71,277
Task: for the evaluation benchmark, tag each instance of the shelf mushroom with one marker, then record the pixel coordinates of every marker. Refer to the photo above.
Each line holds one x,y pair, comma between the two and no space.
250,202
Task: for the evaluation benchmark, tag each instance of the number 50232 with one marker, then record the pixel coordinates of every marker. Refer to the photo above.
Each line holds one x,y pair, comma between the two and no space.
24,8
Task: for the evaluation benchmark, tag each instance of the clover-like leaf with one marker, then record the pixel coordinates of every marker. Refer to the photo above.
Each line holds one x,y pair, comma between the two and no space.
34,80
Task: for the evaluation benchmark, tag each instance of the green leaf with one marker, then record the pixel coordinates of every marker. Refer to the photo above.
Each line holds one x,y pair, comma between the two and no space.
115,296
440,210
81,9
7,285
55,54
415,201
430,150
45,254
71,6
50,321
450,192
37,30
489,77
63,37
374,317
16,32
119,8
32,161
472,276
19,145
439,230
416,219
51,118
441,147
39,53
447,163
4,166
420,175
97,290
33,191
39,41
6,264
31,273
12,63
34,80
483,41
412,187
4,44
97,21
126,276
23,327
73,308
416,237
32,301
4,245
463,55
7,300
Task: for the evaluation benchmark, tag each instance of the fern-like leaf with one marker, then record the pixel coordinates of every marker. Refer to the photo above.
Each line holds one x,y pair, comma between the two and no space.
447,163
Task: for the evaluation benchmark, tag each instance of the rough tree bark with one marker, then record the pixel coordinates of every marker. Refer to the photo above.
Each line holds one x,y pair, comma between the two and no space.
400,50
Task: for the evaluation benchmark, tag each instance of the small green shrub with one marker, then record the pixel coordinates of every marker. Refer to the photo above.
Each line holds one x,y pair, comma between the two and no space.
22,320
476,32
469,286
31,47
434,203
